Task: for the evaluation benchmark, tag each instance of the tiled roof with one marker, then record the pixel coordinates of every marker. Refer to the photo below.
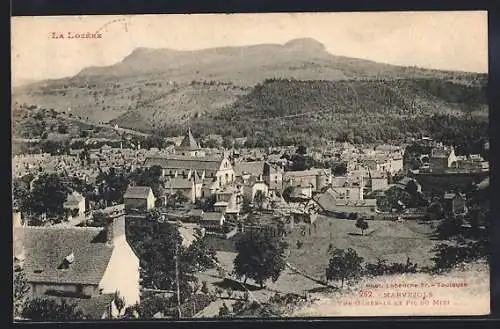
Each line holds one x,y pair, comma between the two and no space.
326,201
46,247
255,168
304,173
212,217
185,162
137,192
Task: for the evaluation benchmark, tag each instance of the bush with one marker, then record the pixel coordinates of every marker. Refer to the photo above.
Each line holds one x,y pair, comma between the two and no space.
382,268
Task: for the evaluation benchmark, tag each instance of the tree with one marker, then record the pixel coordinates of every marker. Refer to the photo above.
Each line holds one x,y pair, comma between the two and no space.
43,309
149,177
362,224
261,256
259,198
48,195
224,311
62,128
344,265
119,302
204,287
301,150
157,244
21,293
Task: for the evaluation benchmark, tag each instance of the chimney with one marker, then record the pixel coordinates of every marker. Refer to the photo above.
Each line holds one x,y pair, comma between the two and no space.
115,229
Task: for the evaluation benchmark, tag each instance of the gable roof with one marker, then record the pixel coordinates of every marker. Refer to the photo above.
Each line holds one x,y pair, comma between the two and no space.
212,216
137,192
305,173
185,162
46,247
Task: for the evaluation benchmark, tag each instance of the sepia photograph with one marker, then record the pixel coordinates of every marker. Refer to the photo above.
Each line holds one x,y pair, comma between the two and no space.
236,166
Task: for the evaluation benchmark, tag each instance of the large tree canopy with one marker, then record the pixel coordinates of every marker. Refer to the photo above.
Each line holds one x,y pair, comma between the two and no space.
261,256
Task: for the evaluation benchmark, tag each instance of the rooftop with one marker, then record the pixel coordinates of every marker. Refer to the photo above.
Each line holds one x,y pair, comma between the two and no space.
46,247
137,192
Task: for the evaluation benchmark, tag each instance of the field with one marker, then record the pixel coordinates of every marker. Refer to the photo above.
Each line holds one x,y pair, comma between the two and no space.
392,241
389,240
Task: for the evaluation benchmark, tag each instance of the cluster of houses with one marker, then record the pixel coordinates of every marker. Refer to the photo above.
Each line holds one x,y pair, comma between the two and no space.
88,265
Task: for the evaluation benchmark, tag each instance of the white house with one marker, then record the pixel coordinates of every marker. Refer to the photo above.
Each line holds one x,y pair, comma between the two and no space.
84,264
75,202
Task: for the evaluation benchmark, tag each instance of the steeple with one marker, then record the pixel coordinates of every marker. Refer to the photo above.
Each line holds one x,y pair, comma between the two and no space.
189,142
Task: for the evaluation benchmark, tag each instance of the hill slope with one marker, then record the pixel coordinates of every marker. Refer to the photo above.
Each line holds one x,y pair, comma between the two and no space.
279,112
158,85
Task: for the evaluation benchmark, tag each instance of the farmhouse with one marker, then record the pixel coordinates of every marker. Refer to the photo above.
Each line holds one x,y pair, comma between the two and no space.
139,197
84,264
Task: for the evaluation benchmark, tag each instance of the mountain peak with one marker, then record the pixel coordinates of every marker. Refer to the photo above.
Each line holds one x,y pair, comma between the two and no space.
305,44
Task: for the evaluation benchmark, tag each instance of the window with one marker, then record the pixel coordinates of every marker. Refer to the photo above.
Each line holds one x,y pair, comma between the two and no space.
79,288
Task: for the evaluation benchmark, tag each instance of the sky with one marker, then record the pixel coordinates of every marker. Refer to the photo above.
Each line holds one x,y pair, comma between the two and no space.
439,40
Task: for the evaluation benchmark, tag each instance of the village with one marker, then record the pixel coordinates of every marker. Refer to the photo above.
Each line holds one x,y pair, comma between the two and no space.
217,195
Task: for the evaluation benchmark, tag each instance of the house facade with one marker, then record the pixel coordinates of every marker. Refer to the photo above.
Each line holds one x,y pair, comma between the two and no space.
316,178
139,197
442,158
81,263
75,202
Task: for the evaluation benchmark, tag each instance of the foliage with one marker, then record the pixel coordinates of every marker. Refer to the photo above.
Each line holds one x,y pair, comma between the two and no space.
21,293
176,199
448,256
382,268
201,255
261,256
449,227
112,185
42,309
338,110
344,265
119,301
48,195
276,306
362,225
259,198
150,177
155,244
204,287
435,210
224,311
392,198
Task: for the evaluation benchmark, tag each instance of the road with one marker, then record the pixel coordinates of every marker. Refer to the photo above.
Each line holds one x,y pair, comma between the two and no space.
103,125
